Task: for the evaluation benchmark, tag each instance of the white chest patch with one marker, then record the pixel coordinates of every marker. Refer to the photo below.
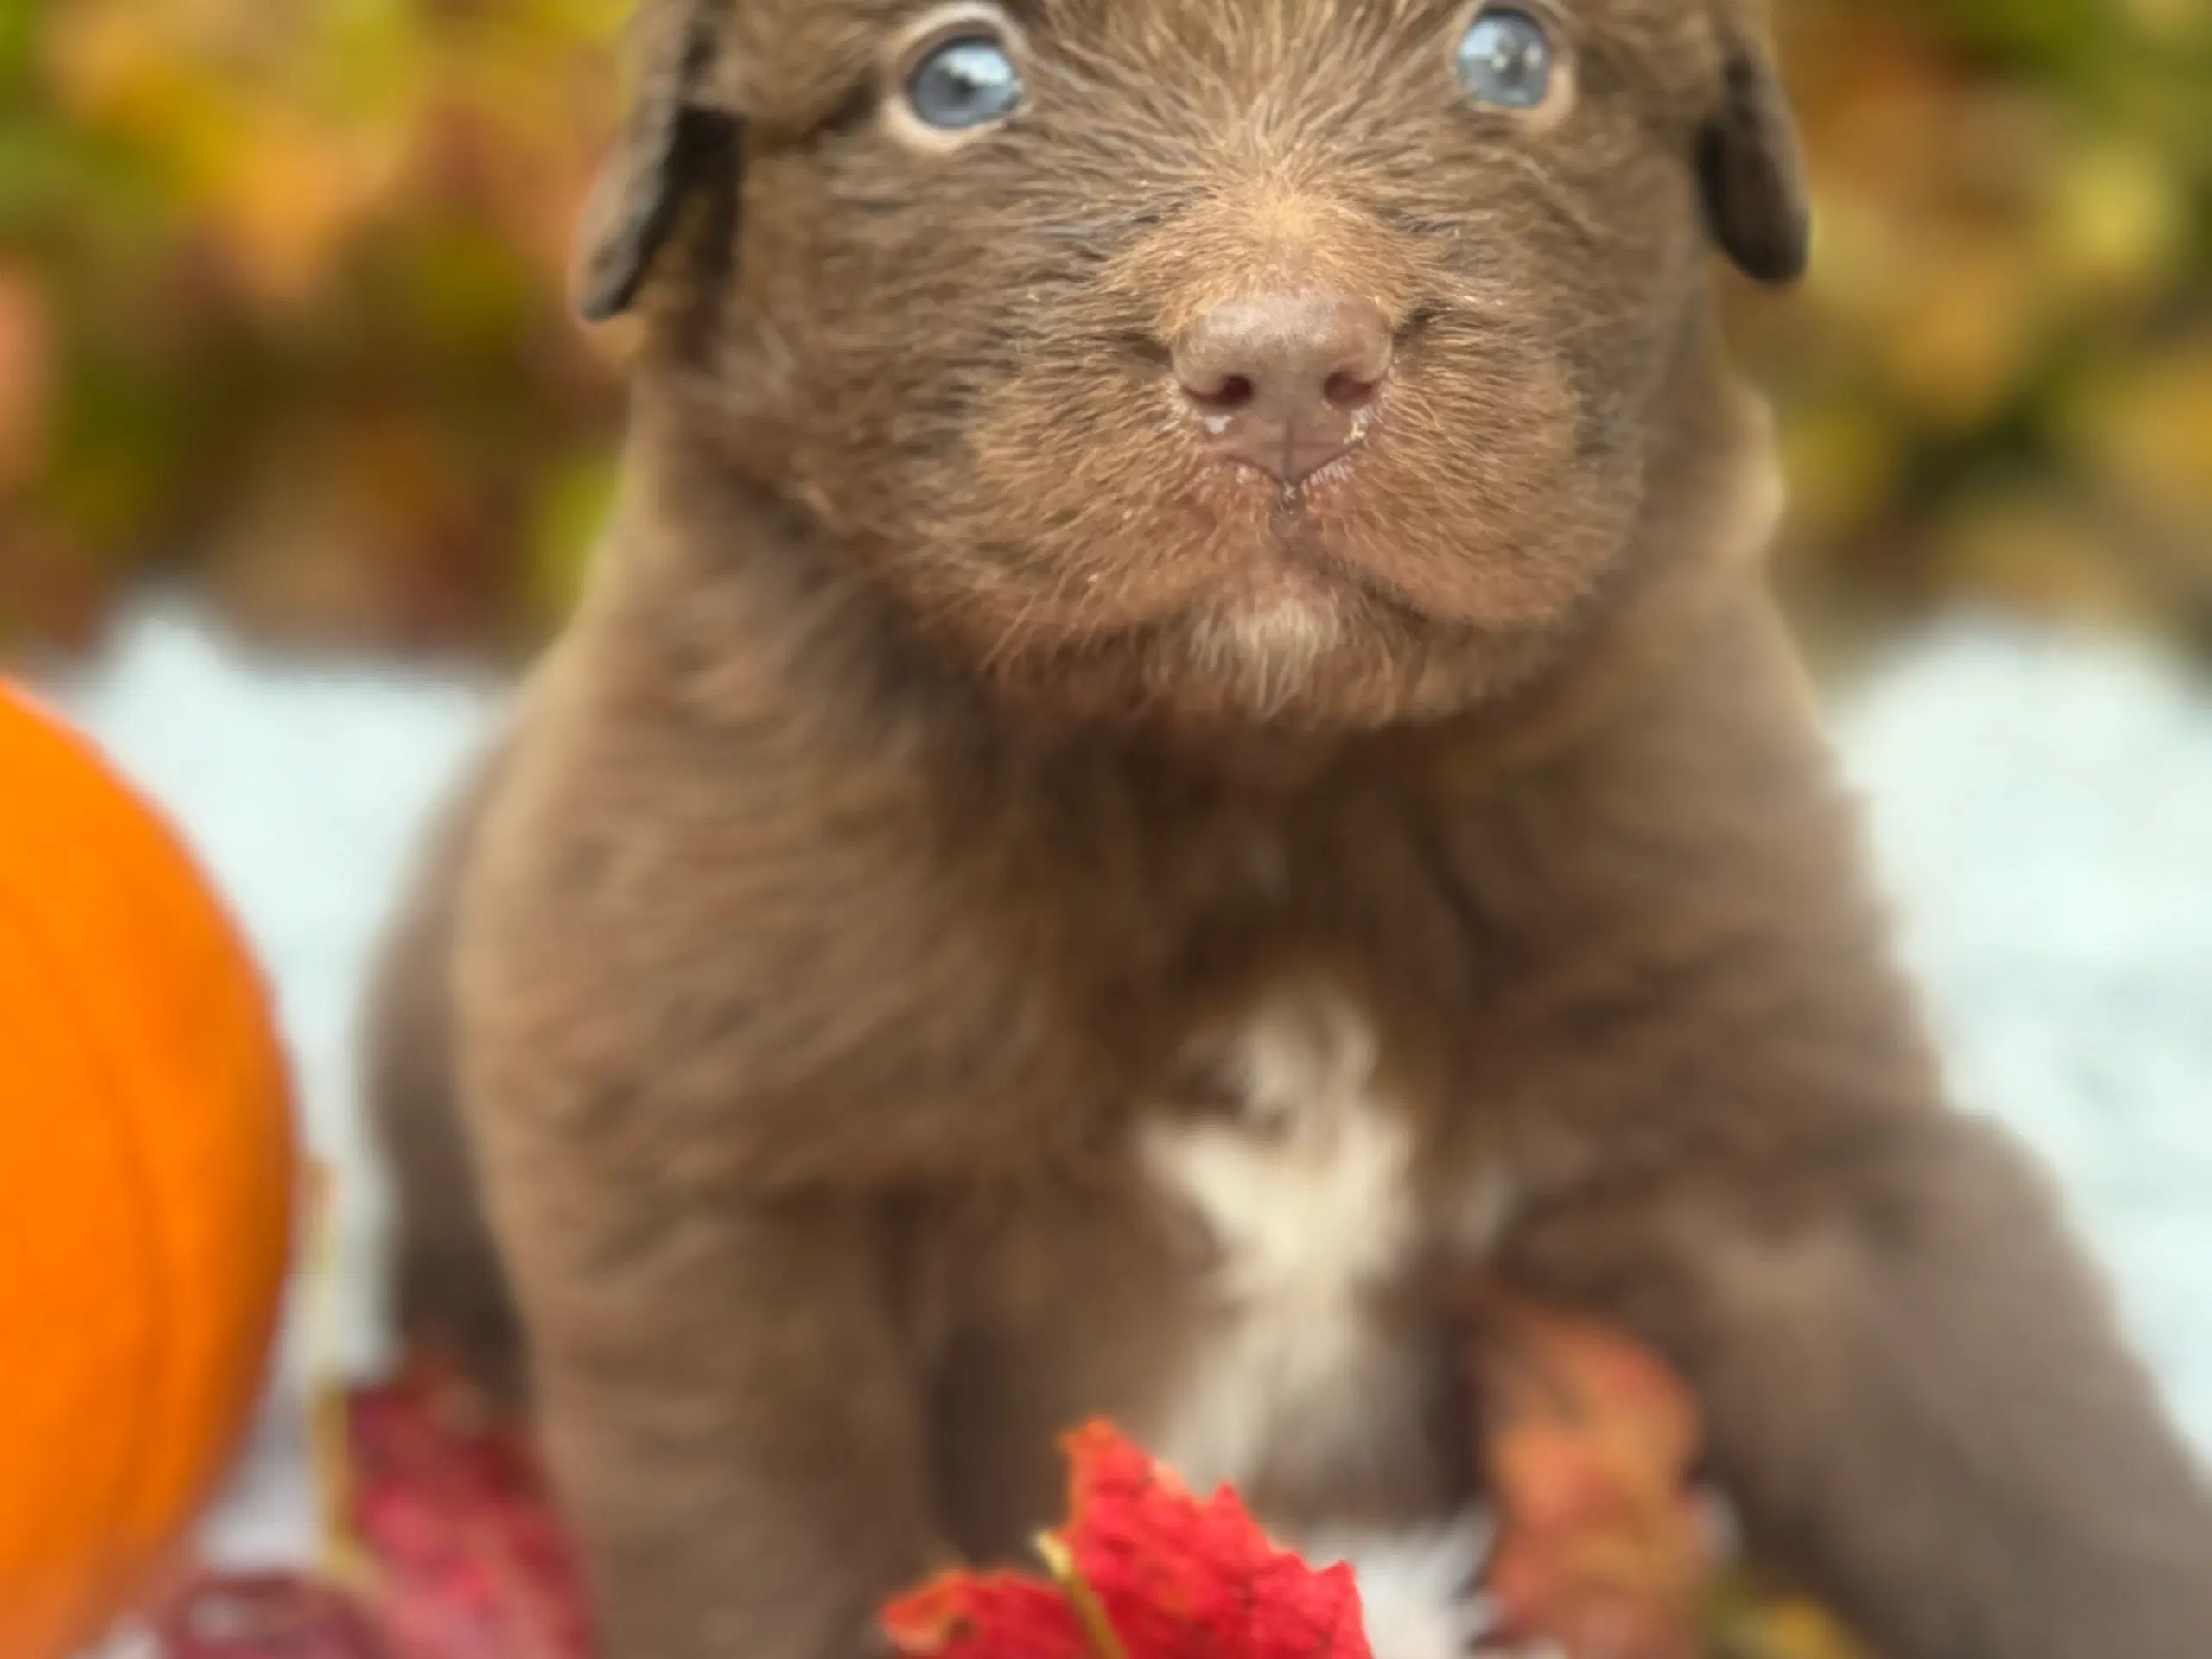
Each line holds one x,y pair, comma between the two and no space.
1305,1192
1420,1591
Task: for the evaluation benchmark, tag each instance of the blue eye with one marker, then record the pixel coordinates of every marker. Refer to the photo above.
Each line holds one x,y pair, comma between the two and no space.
1507,59
967,82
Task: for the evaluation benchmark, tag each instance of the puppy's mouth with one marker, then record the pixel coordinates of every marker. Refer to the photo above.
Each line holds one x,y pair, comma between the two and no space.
1285,514
1282,541
1284,454
1293,495
1284,477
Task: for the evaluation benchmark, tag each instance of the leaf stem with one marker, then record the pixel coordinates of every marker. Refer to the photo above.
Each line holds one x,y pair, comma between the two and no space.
1087,1608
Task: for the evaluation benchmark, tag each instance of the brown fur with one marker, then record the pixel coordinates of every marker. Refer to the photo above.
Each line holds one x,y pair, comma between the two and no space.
915,810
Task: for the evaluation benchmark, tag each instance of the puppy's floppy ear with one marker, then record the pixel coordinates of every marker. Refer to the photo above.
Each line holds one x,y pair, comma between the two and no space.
1750,169
671,142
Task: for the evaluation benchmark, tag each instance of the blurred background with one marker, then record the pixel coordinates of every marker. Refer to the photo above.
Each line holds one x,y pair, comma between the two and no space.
282,307
301,451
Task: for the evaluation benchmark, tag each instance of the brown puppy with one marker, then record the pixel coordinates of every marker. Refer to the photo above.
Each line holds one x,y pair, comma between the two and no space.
1176,747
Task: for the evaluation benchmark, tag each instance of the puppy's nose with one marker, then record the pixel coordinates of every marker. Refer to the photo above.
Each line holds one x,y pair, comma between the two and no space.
1285,383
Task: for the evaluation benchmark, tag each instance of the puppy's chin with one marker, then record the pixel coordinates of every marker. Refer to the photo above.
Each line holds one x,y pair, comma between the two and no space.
1278,615
1294,657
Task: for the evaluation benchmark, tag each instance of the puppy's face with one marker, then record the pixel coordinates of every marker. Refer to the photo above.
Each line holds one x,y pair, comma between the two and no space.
1223,358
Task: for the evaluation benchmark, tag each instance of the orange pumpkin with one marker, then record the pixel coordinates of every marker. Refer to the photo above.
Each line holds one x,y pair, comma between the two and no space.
146,1178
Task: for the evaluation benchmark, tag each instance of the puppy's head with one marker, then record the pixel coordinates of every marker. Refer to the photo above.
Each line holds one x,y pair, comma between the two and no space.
1305,360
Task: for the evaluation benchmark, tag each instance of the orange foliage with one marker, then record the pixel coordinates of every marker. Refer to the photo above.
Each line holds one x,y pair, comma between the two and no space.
1605,1549
1589,1440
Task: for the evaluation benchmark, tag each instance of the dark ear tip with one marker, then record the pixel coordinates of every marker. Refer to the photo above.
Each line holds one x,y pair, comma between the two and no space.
615,243
607,292
625,223
1752,177
634,207
1778,258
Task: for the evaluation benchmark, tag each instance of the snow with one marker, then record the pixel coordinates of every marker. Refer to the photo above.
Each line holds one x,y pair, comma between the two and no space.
2043,809
2042,806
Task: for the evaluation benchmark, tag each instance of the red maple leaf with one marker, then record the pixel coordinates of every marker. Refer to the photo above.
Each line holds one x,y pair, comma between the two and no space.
986,1616
1143,1570
472,1557
264,1616
465,1553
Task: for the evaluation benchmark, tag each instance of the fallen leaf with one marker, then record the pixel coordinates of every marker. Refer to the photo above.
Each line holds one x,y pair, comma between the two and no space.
265,1616
1588,1439
1142,1570
471,1557
986,1616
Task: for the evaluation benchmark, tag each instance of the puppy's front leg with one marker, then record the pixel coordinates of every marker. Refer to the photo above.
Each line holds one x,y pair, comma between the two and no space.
732,1421
1916,1393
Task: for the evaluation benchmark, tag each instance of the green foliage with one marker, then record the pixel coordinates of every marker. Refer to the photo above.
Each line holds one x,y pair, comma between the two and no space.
282,297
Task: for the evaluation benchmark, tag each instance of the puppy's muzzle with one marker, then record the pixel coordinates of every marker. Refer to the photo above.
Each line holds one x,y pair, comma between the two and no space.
1285,382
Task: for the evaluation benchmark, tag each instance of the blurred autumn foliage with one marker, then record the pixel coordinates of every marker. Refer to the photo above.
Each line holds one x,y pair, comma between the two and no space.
1998,382
281,296
283,302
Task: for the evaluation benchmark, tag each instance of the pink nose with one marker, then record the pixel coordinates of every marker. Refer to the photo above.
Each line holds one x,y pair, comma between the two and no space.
1285,383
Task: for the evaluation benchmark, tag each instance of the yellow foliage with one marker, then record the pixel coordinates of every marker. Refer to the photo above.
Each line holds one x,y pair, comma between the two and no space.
2119,225
1966,334
1752,1628
2144,427
1843,460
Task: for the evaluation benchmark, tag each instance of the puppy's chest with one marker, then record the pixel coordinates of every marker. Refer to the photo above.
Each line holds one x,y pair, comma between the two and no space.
1292,1185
